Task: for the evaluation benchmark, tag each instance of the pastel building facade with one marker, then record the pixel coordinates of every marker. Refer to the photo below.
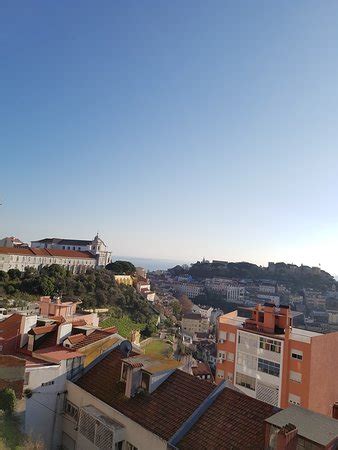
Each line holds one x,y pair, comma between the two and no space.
268,359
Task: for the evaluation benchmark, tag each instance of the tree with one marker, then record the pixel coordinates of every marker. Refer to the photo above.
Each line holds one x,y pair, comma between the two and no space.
7,401
121,268
47,286
186,303
176,307
3,276
14,274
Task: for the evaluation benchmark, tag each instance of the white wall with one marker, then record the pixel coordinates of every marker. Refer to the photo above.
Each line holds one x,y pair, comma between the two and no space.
42,416
134,433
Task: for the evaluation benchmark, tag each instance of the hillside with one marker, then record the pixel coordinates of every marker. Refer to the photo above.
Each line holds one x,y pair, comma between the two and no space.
297,277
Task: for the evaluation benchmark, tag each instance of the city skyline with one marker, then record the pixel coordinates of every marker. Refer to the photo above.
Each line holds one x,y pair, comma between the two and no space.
177,132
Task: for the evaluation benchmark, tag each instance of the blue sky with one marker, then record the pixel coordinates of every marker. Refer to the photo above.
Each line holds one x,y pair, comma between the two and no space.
176,129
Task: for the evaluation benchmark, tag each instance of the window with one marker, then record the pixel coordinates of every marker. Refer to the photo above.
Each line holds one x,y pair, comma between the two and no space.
130,446
270,344
268,367
145,381
72,410
297,354
295,376
230,356
230,376
222,336
48,383
294,399
1,347
245,381
232,337
124,372
95,431
245,360
221,357
220,373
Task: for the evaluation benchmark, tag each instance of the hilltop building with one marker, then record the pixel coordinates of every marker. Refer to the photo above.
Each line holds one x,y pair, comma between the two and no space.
96,247
77,256
268,359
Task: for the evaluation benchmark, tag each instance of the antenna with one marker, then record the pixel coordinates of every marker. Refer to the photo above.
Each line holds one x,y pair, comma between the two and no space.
125,348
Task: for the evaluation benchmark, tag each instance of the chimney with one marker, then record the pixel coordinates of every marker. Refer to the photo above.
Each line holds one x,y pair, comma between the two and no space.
132,377
335,410
287,438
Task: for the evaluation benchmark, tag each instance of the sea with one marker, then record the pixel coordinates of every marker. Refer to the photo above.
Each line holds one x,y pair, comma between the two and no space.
150,264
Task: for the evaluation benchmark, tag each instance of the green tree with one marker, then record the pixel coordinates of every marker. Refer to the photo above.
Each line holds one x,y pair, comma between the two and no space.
3,276
121,268
7,401
14,274
47,286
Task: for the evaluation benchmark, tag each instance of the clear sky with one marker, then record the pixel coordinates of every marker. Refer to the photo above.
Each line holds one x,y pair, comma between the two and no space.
177,129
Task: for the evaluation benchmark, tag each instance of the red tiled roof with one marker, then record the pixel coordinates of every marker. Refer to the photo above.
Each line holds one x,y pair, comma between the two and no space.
112,330
201,369
76,338
79,323
56,354
233,421
51,252
10,327
161,412
95,336
44,329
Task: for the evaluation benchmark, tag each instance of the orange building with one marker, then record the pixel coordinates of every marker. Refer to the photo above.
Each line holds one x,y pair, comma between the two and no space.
268,359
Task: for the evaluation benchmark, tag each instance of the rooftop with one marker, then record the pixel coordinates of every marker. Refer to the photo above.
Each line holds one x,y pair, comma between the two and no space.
51,252
152,364
313,426
192,316
95,336
61,241
161,412
56,354
233,421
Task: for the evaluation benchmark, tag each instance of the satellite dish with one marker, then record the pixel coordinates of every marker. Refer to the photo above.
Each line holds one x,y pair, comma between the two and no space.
125,348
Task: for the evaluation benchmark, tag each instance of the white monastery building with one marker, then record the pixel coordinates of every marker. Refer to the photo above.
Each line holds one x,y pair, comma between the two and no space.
76,255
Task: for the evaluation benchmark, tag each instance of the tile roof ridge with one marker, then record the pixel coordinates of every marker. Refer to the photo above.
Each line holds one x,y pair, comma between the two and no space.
199,411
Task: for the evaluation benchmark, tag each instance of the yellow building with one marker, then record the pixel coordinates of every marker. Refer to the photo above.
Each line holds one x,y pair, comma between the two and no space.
123,279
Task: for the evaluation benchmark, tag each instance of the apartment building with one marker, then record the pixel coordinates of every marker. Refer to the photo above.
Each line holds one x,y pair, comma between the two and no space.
226,287
269,359
194,323
190,289
128,401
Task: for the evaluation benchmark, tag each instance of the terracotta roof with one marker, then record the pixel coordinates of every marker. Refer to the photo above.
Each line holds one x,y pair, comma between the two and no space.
95,336
56,354
51,252
79,323
30,361
44,329
112,330
10,327
76,338
234,421
201,369
161,412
